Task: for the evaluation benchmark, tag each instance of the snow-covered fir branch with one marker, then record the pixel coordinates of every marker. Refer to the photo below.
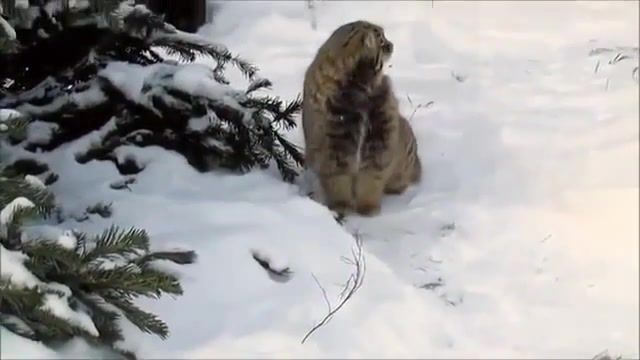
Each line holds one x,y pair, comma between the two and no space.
118,72
56,287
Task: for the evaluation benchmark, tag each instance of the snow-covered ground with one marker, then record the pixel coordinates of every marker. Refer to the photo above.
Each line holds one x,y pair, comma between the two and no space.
522,240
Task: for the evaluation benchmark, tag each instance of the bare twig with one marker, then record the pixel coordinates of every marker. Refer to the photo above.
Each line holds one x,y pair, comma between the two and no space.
458,77
311,5
409,98
346,287
324,293
346,260
431,285
604,355
352,285
621,53
340,218
619,57
419,106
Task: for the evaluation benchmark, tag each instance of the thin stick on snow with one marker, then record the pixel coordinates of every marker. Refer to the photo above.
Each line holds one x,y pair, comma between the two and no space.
417,107
351,287
324,293
311,5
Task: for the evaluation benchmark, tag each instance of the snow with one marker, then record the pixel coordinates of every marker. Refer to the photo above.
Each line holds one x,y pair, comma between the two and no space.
79,4
17,347
41,231
68,240
59,307
128,9
28,14
141,83
13,269
198,80
128,78
35,182
82,99
17,323
7,30
521,241
17,204
22,4
40,132
9,114
199,123
54,7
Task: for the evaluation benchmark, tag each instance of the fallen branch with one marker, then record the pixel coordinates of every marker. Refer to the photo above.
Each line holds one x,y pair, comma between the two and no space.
354,282
278,275
417,107
604,355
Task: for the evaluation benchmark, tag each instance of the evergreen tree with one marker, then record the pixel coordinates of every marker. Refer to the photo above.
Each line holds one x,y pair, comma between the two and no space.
81,285
188,108
52,290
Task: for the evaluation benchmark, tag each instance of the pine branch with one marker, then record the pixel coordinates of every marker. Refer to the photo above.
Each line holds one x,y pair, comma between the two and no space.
22,167
190,47
139,21
26,304
14,127
103,319
285,116
287,169
117,242
14,187
94,287
269,104
235,142
81,243
130,279
17,300
47,258
121,47
145,321
15,221
10,322
258,84
178,257
51,328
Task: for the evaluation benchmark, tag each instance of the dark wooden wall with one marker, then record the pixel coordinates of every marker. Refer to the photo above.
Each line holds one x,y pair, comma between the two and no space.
186,15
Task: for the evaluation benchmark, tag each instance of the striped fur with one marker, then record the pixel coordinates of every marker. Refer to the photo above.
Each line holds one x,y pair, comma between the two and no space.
356,141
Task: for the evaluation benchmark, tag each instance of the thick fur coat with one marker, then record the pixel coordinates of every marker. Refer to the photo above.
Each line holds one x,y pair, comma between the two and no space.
356,142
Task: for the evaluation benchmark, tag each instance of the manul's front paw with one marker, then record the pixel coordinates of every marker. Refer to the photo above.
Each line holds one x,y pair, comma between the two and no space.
368,209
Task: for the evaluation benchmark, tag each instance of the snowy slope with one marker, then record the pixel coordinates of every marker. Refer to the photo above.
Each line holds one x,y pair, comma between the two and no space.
522,241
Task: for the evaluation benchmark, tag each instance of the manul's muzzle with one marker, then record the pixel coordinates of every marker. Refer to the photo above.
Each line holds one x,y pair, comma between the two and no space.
387,47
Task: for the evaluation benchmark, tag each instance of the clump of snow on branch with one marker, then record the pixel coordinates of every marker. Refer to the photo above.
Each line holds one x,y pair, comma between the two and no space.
8,212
